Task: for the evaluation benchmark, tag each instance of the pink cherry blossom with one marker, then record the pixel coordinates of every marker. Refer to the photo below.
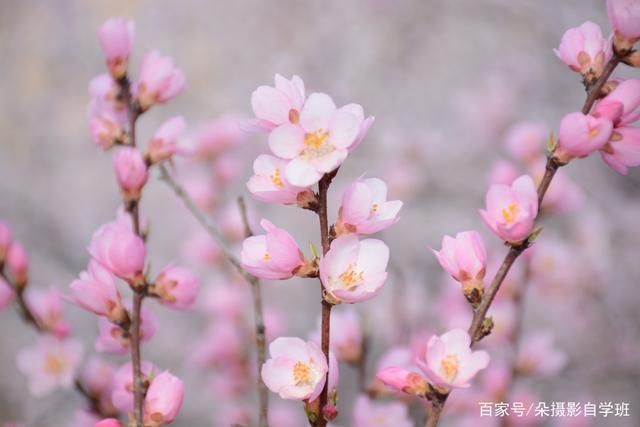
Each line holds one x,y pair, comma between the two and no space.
624,16
622,105
584,49
538,355
353,270
7,295
163,400
449,362
319,143
106,129
17,261
221,344
51,363
217,136
95,290
112,339
503,172
282,104
109,422
365,209
274,255
367,413
269,185
103,92
122,387
97,376
131,172
176,287
159,80
464,257
526,141
511,210
46,306
224,298
623,150
164,143
403,380
116,37
296,370
6,237
581,135
118,249
282,414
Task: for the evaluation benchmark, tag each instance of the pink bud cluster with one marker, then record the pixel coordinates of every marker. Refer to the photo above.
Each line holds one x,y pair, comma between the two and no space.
118,249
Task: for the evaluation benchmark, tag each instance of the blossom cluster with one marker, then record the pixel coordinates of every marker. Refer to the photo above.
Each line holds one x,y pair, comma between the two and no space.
514,202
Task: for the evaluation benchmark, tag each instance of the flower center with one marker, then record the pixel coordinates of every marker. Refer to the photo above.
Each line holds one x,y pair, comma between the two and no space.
374,209
316,144
301,373
294,116
593,133
276,178
54,364
449,366
351,278
266,256
510,212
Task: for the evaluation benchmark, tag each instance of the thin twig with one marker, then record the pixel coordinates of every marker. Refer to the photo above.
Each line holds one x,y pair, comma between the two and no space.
476,329
256,293
216,235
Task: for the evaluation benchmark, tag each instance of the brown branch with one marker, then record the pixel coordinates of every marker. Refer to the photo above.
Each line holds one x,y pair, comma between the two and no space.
518,299
139,292
479,328
256,293
323,188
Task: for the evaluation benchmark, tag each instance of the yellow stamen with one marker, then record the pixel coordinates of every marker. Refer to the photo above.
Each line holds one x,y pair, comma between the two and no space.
316,145
510,212
54,364
374,208
351,278
594,132
266,256
301,373
276,178
449,366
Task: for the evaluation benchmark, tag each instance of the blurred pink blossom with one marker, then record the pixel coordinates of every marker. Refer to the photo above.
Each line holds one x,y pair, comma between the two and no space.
51,363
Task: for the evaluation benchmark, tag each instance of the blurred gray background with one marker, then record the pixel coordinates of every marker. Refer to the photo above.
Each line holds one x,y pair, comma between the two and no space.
444,79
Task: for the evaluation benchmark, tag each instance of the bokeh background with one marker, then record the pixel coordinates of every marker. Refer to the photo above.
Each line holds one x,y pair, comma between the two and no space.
445,80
